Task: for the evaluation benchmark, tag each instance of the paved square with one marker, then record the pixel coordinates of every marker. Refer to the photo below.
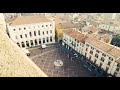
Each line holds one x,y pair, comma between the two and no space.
44,59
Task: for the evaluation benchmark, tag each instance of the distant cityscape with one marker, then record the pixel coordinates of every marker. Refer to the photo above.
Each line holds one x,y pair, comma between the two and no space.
63,44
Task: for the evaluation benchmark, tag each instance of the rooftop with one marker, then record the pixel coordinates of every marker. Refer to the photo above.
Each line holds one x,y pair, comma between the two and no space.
90,29
110,49
66,25
29,19
76,35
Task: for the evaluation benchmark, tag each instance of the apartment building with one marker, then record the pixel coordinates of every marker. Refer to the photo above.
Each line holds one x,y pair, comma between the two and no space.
108,27
100,34
65,25
73,39
97,51
30,31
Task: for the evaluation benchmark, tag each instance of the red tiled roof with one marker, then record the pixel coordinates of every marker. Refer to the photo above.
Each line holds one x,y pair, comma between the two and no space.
76,35
110,49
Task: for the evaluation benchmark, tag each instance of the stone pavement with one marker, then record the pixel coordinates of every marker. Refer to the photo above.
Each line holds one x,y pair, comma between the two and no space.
45,58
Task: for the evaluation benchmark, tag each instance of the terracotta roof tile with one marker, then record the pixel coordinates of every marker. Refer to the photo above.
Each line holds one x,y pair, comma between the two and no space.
110,49
76,35
28,20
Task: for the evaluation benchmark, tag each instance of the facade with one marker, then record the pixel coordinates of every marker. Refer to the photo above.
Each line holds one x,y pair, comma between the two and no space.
30,31
100,53
73,39
108,27
65,25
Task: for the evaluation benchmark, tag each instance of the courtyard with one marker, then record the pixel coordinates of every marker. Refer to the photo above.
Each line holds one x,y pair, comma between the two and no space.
45,58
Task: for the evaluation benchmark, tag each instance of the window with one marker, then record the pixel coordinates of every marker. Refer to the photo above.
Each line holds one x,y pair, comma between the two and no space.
117,69
97,51
50,24
100,65
50,31
110,58
96,55
51,39
109,63
115,73
107,69
34,33
23,45
30,34
42,25
86,49
38,32
104,54
18,44
46,25
20,36
92,48
91,52
24,28
19,28
26,35
87,45
43,40
47,32
77,41
14,29
35,41
43,32
118,65
39,41
77,44
47,39
102,59
27,43
95,61
31,41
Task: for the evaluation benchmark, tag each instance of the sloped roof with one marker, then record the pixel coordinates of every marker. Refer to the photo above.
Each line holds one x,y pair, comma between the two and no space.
75,34
13,62
110,49
29,19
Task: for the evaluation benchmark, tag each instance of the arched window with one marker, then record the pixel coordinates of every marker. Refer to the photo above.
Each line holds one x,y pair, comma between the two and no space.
23,45
96,55
102,59
34,33
39,41
43,40
18,44
35,41
27,43
91,52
